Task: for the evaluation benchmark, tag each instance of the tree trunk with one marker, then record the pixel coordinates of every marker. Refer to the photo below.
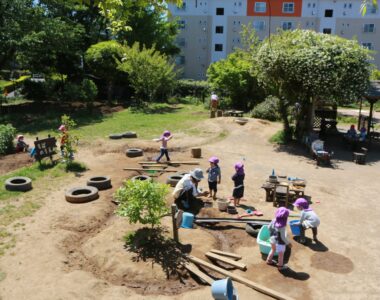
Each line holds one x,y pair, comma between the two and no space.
109,91
284,115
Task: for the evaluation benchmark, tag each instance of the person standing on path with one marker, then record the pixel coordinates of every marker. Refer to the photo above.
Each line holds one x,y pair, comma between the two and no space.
166,136
214,104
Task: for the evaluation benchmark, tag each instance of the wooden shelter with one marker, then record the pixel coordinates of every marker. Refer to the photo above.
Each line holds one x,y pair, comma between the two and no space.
372,96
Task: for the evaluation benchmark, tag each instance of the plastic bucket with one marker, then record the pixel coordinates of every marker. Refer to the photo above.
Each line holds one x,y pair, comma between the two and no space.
295,227
222,204
222,289
187,220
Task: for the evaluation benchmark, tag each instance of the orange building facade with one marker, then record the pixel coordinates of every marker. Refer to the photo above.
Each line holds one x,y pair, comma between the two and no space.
278,8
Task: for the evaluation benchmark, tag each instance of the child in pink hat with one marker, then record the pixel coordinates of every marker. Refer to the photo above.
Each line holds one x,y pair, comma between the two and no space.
278,237
309,219
165,137
214,176
238,179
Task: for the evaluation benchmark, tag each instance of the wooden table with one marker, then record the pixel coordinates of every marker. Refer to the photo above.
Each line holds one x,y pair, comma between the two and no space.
269,190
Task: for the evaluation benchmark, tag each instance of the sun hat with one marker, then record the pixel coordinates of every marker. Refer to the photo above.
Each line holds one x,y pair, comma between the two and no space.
62,128
166,133
20,136
213,159
281,215
197,174
239,167
301,202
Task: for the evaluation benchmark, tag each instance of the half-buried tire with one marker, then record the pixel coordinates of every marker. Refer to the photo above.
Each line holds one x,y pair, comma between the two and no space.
252,230
116,136
141,177
173,179
18,184
82,194
134,152
129,135
100,182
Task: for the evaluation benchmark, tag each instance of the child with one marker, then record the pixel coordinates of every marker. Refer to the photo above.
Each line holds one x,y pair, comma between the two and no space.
214,176
238,179
64,140
278,238
166,136
21,146
309,219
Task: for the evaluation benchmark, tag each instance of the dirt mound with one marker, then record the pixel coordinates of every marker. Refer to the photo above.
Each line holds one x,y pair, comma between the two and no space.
12,162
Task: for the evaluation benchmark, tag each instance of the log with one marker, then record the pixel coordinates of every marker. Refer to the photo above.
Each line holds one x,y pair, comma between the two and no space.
258,287
228,254
171,162
194,269
141,169
227,261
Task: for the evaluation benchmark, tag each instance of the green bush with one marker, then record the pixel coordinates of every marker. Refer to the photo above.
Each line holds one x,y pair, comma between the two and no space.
72,92
268,110
7,135
89,90
189,87
35,90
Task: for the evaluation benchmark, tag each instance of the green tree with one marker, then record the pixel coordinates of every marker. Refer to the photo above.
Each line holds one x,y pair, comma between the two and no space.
150,74
103,60
142,201
304,66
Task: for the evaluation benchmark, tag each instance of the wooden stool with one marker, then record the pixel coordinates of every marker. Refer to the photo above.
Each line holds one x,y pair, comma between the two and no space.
360,157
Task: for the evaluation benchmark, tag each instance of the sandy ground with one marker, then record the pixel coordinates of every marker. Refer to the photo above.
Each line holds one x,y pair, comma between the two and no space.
68,251
14,161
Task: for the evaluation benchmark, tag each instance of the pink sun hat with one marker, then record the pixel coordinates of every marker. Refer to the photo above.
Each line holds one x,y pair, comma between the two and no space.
281,215
166,133
62,128
214,160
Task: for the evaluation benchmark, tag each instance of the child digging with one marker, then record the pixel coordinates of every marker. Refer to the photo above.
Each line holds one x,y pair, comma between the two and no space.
278,238
165,137
238,179
214,176
309,219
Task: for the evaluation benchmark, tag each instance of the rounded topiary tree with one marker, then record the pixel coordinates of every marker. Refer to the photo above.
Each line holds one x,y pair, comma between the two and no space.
142,201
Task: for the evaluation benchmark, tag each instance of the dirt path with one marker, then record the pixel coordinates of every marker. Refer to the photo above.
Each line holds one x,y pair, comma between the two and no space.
71,251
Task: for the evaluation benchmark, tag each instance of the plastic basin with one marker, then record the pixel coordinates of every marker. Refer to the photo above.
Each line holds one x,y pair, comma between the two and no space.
295,227
263,240
222,289
187,220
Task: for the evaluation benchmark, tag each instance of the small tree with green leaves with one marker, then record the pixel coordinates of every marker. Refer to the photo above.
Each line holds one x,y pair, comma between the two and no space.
68,140
142,201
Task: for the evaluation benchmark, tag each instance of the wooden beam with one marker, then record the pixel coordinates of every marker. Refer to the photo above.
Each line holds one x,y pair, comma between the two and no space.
249,283
227,261
171,162
141,169
175,228
194,269
228,254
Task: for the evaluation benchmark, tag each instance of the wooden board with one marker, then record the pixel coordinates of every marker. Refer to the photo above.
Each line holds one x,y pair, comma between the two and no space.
228,254
258,287
141,169
194,269
171,162
226,260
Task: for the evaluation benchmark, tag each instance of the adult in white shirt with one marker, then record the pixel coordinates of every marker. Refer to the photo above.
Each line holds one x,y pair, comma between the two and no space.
187,190
214,102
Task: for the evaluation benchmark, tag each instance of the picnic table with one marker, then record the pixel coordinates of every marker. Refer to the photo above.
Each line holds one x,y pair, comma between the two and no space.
234,113
294,189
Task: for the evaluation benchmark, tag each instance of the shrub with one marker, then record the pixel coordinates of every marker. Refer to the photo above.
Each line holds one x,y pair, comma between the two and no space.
7,135
72,92
89,90
142,201
267,110
190,87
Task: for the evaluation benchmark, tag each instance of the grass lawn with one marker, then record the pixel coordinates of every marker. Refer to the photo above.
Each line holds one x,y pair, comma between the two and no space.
148,124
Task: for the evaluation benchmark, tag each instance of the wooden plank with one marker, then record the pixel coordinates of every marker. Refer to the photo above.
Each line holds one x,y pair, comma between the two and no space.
258,287
228,254
226,260
141,169
194,269
171,162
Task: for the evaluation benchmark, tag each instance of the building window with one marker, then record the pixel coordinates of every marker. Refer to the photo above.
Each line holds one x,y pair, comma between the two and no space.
260,7
218,47
371,9
345,5
327,30
182,7
350,5
309,5
181,24
181,42
287,25
180,60
220,11
259,25
369,28
288,7
219,29
368,46
328,13
313,5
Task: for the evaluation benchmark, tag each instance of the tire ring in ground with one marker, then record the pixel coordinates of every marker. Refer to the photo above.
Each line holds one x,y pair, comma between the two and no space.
116,136
173,179
82,194
252,230
129,135
100,182
134,152
141,177
18,184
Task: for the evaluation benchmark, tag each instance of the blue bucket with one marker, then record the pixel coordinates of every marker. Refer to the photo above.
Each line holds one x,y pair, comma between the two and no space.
222,289
295,227
187,220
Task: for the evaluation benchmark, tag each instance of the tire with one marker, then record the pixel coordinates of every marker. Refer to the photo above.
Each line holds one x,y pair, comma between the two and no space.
252,230
129,135
141,177
173,179
100,182
82,194
134,152
18,184
116,136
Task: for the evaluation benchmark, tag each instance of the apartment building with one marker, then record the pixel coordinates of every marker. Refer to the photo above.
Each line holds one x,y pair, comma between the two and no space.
210,29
